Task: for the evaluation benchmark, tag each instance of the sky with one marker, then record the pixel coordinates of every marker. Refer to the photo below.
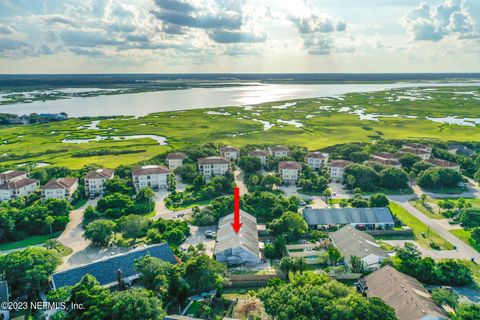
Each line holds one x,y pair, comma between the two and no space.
229,36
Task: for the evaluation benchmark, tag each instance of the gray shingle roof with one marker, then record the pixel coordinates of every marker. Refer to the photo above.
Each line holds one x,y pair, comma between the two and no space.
10,174
14,185
258,153
403,293
149,169
105,270
176,156
102,173
213,160
347,215
352,242
247,237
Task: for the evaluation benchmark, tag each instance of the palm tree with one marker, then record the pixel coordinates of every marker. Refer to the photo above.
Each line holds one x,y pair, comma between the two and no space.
51,244
411,177
327,193
50,220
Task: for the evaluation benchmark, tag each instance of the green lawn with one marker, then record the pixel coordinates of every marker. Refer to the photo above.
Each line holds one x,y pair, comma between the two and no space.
429,212
475,202
191,205
466,237
418,228
30,241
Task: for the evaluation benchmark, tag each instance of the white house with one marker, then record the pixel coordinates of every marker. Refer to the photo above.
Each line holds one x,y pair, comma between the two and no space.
387,159
213,166
352,242
260,154
279,151
152,176
14,184
95,179
62,189
237,248
175,160
337,169
316,159
229,152
289,171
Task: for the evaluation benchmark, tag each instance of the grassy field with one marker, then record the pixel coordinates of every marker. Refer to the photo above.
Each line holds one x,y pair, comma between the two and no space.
466,237
428,211
30,241
320,123
418,228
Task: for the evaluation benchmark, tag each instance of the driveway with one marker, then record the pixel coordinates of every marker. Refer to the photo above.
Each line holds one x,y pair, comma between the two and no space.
72,236
197,236
238,174
435,254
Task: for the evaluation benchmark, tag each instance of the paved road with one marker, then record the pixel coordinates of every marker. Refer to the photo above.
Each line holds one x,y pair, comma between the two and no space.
465,251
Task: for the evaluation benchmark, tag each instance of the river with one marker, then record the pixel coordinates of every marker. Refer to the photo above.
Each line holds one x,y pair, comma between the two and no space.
139,104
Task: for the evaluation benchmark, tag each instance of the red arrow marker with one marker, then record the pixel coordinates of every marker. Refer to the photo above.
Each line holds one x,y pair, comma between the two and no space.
236,224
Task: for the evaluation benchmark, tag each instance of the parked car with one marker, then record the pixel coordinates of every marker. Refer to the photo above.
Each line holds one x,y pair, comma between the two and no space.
210,234
303,203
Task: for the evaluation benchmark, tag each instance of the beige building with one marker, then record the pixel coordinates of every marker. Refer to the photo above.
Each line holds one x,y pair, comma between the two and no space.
316,159
289,171
260,154
95,180
230,153
14,184
213,166
279,151
175,160
418,149
444,164
150,176
337,169
62,189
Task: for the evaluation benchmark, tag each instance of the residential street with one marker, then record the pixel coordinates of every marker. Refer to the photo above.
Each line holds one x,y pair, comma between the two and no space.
238,174
464,250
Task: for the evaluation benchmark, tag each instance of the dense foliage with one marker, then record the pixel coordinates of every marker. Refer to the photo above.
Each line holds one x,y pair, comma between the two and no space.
310,296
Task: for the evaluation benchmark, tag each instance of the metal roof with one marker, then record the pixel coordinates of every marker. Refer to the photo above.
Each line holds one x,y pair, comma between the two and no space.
105,270
333,216
246,238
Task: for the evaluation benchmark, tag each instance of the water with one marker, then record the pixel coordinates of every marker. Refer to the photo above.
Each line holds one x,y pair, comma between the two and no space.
139,104
161,140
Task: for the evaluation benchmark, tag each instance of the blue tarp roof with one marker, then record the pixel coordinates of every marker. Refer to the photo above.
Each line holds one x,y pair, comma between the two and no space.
105,270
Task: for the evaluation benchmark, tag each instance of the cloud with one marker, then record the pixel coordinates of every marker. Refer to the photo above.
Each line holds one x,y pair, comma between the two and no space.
94,38
241,51
4,29
87,52
316,31
227,36
451,18
57,19
223,21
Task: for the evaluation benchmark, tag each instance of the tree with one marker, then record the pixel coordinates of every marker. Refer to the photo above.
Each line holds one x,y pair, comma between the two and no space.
357,264
136,303
434,178
312,295
94,298
350,180
28,270
365,176
49,220
155,274
359,156
475,234
289,223
286,265
411,177
334,256
408,160
327,193
378,200
393,178
446,205
250,164
423,197
203,272
132,226
470,217
100,232
443,296
468,312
